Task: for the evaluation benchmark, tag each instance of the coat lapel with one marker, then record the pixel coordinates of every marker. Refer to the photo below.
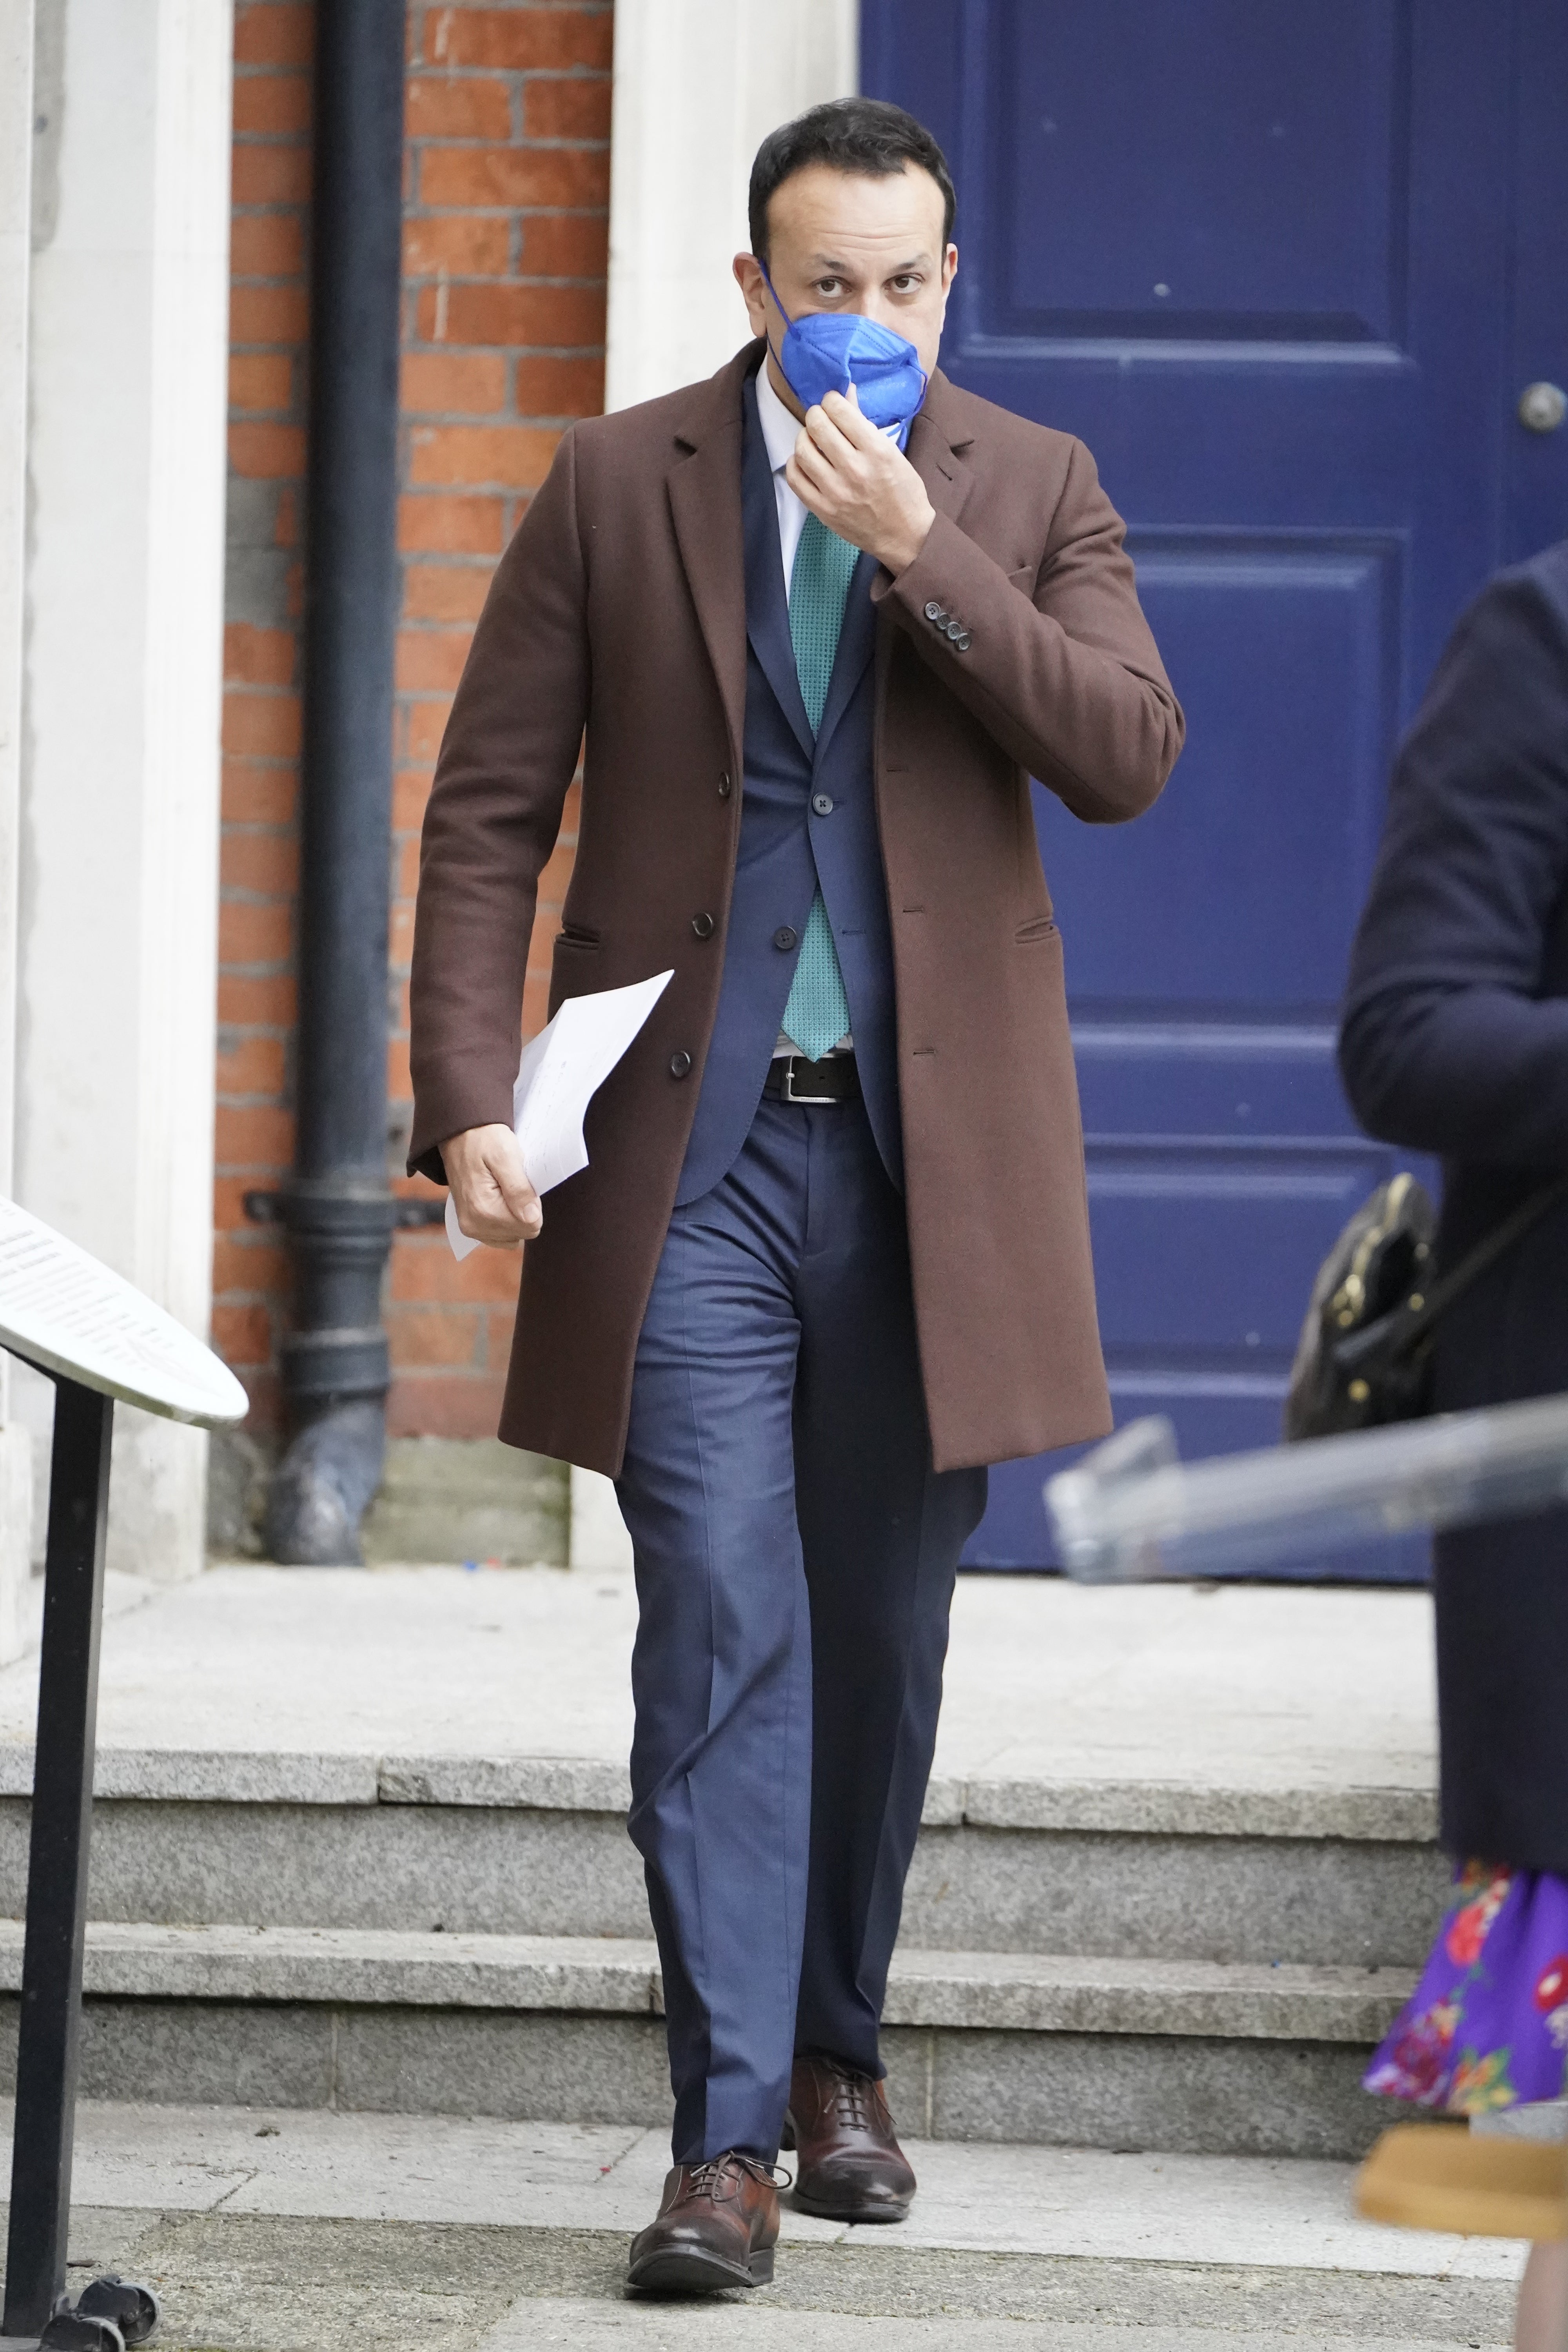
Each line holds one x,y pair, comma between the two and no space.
767,605
936,450
705,506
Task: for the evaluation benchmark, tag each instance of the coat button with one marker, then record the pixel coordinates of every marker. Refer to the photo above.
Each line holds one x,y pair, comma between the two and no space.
784,938
963,642
680,1064
934,612
702,925
822,804
725,787
954,630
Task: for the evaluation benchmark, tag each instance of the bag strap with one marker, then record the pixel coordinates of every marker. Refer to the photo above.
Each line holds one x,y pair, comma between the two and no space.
1403,1327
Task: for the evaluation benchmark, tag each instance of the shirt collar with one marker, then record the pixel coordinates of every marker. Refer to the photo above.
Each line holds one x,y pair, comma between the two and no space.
781,431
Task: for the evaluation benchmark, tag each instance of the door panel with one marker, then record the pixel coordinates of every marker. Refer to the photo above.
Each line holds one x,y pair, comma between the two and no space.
1286,270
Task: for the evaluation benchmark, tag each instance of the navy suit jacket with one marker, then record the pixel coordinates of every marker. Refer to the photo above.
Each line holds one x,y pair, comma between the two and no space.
809,816
1455,1041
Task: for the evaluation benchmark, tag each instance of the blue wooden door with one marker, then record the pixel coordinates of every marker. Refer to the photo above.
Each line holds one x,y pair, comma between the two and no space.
1287,269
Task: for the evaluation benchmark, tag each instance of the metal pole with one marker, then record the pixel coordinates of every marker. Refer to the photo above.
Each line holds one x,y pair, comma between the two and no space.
58,1860
336,1206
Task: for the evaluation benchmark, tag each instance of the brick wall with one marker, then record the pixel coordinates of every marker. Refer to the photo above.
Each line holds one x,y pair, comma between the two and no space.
506,196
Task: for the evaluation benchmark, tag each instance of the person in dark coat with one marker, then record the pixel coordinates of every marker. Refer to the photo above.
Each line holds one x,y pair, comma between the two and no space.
1455,1041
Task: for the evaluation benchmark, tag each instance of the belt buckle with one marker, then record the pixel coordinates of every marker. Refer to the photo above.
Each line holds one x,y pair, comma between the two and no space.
790,1095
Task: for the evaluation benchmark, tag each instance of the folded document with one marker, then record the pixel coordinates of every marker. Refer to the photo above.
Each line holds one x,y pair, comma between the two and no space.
561,1071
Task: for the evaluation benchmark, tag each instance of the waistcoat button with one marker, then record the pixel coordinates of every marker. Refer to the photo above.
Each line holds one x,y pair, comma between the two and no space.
680,1064
783,938
823,804
703,925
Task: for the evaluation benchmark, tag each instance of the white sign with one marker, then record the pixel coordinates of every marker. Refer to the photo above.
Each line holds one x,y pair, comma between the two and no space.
71,1314
561,1071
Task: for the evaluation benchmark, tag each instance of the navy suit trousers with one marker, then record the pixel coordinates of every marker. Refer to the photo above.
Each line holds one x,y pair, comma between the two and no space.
796,1555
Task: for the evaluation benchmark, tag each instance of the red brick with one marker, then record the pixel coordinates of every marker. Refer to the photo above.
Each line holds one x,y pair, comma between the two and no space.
569,315
253,1134
268,314
488,177
565,245
260,380
271,104
242,1335
462,383
266,726
455,526
462,245
535,1001
425,1271
445,1405
267,452
499,1325
439,107
410,791
245,996
254,931
254,656
422,1336
267,245
251,1066
444,592
553,387
525,39
517,455
250,1261
273,33
430,657
265,862
573,106
262,174
257,795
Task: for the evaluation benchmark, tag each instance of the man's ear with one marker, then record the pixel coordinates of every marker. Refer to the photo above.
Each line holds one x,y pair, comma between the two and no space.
748,272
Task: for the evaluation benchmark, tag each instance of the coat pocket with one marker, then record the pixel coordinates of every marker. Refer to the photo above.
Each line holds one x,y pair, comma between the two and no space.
577,935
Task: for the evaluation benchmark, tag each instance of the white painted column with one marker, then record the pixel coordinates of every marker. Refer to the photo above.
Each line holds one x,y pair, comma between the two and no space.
699,84
122,692
15,238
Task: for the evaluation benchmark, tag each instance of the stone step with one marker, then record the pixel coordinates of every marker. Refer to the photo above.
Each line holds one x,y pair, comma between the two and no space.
520,1846
1108,2051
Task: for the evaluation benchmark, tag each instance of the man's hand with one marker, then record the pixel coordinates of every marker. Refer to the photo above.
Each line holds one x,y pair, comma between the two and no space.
859,483
496,1203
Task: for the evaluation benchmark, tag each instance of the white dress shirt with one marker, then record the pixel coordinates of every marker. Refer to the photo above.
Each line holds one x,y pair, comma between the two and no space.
781,431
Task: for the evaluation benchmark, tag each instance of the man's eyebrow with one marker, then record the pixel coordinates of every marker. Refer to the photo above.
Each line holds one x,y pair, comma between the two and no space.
899,270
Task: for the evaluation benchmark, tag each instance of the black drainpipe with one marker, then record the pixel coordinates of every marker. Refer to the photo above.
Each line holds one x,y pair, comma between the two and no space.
336,1206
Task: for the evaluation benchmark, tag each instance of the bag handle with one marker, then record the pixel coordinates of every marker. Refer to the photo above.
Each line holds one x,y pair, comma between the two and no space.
1403,1329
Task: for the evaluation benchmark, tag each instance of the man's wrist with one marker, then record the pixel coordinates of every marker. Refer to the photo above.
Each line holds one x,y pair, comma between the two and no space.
900,553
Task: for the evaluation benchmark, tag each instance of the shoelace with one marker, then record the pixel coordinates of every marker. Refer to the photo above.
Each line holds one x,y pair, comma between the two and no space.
715,2177
852,2103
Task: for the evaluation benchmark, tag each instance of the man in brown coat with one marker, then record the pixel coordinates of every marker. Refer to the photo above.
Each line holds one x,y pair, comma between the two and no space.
819,620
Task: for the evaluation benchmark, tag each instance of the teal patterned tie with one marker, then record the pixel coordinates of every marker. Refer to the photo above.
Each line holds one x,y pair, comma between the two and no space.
817,1013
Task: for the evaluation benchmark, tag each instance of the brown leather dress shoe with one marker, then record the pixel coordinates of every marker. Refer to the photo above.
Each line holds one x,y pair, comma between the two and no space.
851,2167
716,2228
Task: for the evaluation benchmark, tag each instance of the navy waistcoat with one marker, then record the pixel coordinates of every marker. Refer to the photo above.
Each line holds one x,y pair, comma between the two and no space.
788,847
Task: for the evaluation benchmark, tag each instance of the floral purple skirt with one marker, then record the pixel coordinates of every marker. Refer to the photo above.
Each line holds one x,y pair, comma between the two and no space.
1486,2027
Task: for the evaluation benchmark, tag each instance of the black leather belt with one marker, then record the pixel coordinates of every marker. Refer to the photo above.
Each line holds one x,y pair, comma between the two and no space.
792,1078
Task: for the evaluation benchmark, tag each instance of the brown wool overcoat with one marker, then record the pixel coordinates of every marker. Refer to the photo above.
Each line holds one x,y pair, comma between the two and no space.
619,609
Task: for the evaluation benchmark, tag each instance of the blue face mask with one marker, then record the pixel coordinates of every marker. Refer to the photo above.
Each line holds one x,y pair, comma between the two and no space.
828,350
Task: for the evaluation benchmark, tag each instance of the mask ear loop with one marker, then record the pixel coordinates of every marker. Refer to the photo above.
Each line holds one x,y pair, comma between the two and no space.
774,291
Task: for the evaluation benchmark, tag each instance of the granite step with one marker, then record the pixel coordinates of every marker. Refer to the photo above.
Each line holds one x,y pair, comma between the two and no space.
538,1846
1112,2052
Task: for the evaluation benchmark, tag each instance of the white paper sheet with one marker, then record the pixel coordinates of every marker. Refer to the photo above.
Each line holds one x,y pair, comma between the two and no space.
561,1071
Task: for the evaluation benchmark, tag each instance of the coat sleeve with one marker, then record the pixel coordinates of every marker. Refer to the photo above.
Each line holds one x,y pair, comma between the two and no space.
507,759
1068,680
1449,1044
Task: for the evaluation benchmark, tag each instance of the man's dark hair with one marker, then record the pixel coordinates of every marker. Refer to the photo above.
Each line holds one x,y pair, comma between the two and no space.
849,134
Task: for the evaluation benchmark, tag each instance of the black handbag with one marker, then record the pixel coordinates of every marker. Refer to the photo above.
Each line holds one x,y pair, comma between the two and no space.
1364,1356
